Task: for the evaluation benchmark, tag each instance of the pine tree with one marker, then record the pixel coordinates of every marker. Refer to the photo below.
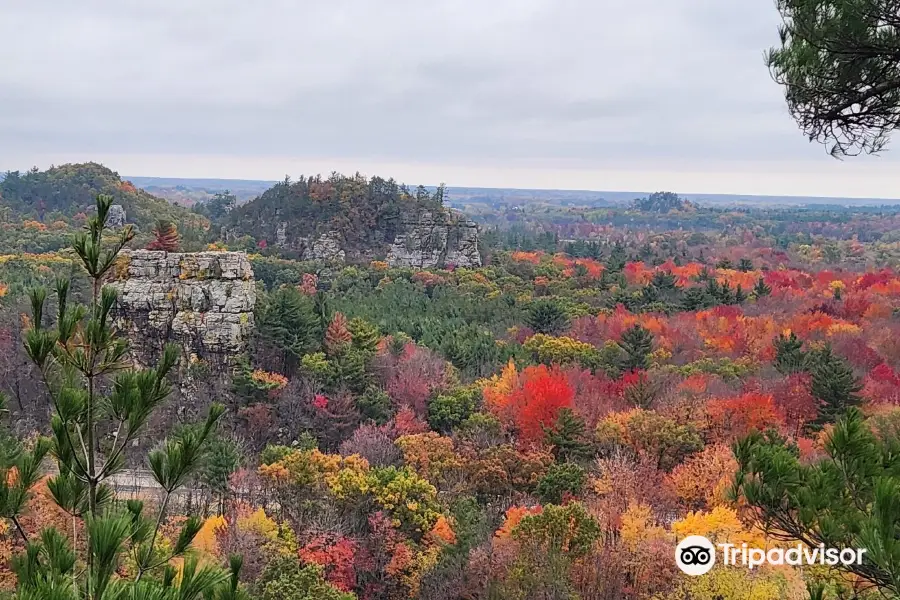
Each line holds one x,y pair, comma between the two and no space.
547,316
739,295
365,335
833,384
337,336
761,289
94,392
165,237
745,265
567,437
287,319
850,498
637,343
789,354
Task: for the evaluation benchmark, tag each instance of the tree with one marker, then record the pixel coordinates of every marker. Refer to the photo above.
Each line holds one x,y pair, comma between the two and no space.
448,411
833,384
567,436
536,401
848,499
838,64
165,237
337,335
94,392
285,578
549,543
288,320
547,316
561,481
637,343
761,290
789,355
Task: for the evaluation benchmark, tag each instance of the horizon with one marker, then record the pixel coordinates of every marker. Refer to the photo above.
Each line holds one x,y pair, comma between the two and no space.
258,169
533,95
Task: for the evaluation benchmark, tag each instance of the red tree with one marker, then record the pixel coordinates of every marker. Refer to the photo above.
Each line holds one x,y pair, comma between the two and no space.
337,336
534,404
732,418
165,237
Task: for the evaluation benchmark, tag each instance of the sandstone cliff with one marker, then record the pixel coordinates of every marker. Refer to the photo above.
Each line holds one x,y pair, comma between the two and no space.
202,301
435,240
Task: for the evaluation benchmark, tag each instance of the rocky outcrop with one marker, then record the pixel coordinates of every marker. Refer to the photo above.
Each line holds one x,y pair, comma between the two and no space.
202,301
116,216
435,240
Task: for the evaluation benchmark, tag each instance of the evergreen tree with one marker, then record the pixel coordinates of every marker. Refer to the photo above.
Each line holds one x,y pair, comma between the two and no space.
833,384
547,316
567,437
696,298
561,480
637,343
789,354
848,499
617,258
363,334
761,290
287,319
745,265
739,295
93,392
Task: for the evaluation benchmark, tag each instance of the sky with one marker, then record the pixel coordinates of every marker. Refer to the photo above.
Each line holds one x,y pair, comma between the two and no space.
570,94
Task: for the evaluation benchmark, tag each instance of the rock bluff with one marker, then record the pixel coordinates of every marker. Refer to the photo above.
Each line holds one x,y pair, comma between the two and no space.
202,301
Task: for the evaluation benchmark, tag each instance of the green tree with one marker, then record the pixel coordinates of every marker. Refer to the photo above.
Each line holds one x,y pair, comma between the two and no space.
547,316
559,481
448,411
789,354
221,459
94,392
549,543
288,320
761,290
833,384
374,404
567,437
745,264
637,343
285,578
848,499
838,64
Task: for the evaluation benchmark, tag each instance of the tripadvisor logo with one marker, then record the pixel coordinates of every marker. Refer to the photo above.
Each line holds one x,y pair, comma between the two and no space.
696,555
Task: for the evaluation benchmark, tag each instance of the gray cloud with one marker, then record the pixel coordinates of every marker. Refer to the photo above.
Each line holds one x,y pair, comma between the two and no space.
573,82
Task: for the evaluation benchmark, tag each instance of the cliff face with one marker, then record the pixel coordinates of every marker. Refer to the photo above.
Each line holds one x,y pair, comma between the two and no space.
435,240
426,240
202,301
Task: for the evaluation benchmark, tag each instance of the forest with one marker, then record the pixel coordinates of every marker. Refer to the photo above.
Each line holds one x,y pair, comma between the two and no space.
545,426
550,422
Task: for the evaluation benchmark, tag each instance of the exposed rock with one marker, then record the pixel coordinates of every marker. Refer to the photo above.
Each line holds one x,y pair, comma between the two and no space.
325,247
116,216
281,234
202,301
439,240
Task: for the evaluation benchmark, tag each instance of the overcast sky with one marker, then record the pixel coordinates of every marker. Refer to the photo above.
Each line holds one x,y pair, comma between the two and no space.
584,94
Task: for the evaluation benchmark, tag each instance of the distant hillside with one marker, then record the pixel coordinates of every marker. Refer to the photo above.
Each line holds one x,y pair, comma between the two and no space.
187,192
460,196
67,190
